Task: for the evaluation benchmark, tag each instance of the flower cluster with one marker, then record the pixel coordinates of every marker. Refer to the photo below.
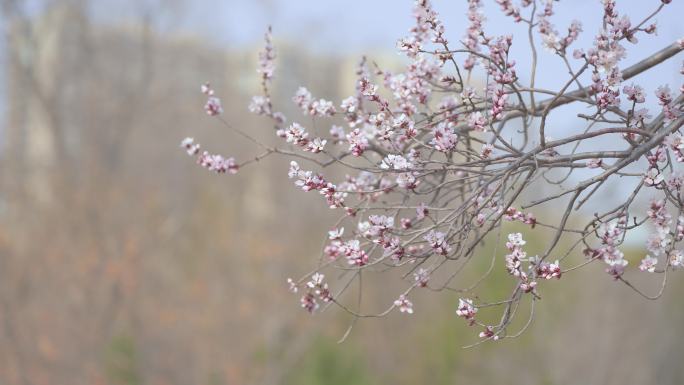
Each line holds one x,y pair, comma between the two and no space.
611,235
466,310
317,289
550,37
512,214
445,139
509,9
311,106
213,105
664,96
355,255
547,270
437,240
267,58
514,259
217,163
308,180
261,104
426,163
395,162
422,277
209,161
404,305
472,38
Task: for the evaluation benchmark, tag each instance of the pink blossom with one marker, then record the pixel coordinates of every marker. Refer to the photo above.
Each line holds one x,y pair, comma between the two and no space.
316,145
358,142
333,250
445,139
303,99
404,305
611,235
292,285
376,226
466,309
550,38
648,264
213,106
316,280
675,181
676,144
658,214
509,9
407,180
616,268
306,180
335,234
640,115
477,122
260,105
489,333
653,177
664,96
406,223
422,276
677,259
296,134
472,38
516,255
267,58
322,107
318,287
437,240
486,151
498,104
594,163
308,302
349,105
206,89
393,249
294,170
528,286
658,241
549,270
217,163
634,93
333,197
367,88
337,133
355,255
395,162
421,211
512,214
515,240
190,146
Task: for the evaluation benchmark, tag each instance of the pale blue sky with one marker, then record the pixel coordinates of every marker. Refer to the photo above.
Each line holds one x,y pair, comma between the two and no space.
363,27
358,27
353,25
367,26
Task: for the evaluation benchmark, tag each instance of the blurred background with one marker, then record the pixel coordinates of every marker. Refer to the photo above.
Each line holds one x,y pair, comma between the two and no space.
123,263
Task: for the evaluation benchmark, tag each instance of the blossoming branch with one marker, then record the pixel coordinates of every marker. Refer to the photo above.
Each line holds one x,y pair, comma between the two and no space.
441,156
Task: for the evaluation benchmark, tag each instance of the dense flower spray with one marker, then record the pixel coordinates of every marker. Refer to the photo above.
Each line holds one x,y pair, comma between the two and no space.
451,151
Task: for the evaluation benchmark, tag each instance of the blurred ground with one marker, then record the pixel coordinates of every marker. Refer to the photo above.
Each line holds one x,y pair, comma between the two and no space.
121,262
